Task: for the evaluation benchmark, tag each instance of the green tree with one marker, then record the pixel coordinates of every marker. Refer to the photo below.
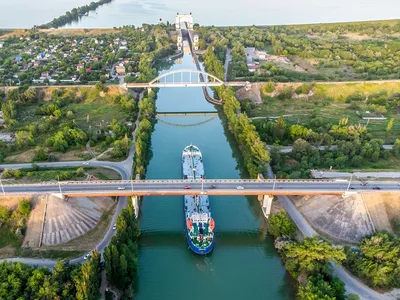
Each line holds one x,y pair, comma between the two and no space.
270,87
390,125
280,225
310,254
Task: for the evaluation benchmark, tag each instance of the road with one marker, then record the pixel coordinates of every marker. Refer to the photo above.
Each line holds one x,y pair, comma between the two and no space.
177,187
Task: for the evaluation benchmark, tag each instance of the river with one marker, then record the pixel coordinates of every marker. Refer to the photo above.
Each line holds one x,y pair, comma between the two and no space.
244,263
26,13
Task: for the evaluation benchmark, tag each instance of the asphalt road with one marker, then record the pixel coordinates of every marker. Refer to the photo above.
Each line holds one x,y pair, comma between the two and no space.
177,187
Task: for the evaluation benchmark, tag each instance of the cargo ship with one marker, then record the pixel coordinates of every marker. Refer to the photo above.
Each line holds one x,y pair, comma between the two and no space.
199,226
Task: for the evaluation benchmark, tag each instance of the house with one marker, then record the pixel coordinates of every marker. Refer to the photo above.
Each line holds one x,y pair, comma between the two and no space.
96,59
1,44
79,66
88,70
120,70
18,58
44,75
252,67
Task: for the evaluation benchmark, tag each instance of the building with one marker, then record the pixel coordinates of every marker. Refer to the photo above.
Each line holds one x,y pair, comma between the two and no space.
1,44
120,70
79,66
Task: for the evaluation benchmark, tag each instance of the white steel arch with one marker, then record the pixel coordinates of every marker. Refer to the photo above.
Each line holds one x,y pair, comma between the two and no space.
201,75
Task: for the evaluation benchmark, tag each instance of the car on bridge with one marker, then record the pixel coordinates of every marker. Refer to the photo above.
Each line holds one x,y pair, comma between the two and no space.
240,187
363,183
187,187
213,186
121,187
376,188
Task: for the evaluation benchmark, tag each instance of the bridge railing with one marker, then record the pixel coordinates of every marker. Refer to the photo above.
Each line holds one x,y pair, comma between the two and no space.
165,181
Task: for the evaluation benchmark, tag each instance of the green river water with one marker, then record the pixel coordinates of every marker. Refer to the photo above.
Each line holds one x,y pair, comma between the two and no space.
244,263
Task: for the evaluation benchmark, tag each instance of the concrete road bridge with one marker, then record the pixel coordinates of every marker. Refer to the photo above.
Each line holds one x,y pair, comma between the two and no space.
265,189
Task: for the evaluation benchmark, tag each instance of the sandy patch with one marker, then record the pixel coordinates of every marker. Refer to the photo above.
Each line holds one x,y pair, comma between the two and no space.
24,157
77,31
35,222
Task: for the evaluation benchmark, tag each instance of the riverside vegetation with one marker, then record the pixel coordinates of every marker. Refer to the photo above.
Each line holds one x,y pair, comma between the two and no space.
121,254
308,261
254,151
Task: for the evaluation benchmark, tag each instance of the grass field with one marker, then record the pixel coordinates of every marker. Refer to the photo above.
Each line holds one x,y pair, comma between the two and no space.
332,108
341,91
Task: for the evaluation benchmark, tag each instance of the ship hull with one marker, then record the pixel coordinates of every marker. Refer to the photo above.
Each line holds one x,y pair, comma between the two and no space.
195,249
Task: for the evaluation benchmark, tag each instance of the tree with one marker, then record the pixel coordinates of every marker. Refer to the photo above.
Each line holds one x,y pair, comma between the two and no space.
310,254
270,87
280,225
389,125
24,207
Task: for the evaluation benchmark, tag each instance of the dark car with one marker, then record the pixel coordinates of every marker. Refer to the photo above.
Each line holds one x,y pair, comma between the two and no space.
376,188
213,186
352,188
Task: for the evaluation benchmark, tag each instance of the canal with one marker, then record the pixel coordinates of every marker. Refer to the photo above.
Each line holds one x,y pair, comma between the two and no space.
244,263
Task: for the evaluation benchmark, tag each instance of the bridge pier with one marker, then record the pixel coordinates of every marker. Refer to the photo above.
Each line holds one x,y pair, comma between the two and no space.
136,204
266,203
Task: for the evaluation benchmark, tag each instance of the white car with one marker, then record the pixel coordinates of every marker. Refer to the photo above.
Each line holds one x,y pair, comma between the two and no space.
85,163
87,256
121,188
114,226
240,188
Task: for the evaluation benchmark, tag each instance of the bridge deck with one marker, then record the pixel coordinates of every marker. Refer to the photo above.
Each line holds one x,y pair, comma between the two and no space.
176,187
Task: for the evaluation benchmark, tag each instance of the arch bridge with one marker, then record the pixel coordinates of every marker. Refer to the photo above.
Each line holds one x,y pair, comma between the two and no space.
185,78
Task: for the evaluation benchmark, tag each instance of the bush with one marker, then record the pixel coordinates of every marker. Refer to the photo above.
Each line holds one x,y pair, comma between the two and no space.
280,225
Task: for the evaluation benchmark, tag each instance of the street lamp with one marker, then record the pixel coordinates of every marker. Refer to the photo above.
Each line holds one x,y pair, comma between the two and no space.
351,176
273,187
4,193
59,185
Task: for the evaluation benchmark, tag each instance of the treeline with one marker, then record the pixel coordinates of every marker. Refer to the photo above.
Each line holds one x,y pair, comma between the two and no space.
308,261
74,14
69,282
254,151
376,260
121,254
147,109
